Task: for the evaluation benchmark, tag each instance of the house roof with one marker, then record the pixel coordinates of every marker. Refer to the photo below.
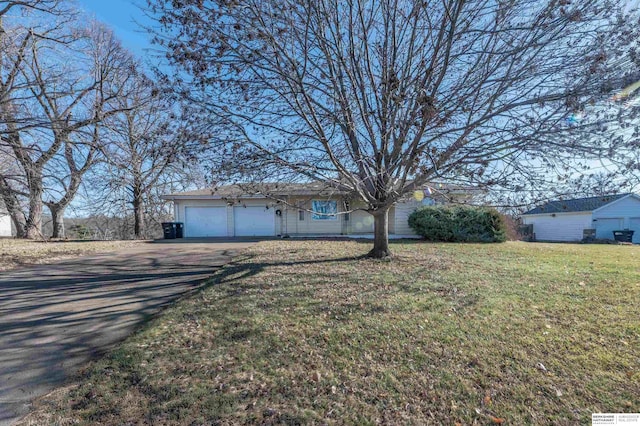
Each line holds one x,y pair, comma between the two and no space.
576,205
274,189
280,189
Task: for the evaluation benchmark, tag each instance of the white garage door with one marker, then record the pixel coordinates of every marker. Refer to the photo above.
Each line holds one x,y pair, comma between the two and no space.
634,225
254,221
205,222
606,226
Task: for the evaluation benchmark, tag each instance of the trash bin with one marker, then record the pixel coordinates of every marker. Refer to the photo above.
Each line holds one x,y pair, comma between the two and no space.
169,230
179,229
623,236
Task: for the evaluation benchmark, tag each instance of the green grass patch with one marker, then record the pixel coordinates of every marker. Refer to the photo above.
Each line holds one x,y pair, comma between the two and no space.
308,332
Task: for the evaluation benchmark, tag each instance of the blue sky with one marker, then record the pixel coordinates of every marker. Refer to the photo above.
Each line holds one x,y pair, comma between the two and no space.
123,17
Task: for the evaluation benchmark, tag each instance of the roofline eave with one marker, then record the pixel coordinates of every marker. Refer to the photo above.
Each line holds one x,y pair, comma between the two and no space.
615,201
563,213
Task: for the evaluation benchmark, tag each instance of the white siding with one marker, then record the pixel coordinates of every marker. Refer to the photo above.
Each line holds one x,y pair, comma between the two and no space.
360,221
559,226
294,226
176,211
5,224
402,210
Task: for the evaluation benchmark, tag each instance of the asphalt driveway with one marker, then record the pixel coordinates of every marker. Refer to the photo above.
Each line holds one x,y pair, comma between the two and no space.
53,318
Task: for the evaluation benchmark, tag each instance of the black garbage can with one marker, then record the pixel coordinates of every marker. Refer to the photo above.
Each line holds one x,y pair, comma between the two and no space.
169,230
623,236
179,229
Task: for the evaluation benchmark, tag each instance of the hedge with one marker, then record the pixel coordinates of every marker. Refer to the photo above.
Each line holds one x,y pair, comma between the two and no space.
459,224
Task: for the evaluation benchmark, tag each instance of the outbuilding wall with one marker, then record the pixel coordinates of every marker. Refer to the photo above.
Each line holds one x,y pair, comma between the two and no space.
559,226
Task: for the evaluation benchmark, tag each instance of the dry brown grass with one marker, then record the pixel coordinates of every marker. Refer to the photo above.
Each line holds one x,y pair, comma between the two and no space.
15,253
308,332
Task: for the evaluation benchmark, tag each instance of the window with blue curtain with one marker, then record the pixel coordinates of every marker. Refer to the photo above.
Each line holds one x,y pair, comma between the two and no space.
324,210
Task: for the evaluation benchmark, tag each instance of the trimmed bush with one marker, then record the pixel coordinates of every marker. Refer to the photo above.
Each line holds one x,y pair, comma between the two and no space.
459,224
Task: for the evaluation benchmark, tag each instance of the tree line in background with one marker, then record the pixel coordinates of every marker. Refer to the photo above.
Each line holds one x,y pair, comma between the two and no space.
80,119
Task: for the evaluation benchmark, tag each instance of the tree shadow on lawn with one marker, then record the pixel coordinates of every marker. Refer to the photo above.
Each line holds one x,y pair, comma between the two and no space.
238,282
237,276
239,269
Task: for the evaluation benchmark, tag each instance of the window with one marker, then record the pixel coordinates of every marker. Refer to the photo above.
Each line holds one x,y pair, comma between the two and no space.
428,201
324,210
300,214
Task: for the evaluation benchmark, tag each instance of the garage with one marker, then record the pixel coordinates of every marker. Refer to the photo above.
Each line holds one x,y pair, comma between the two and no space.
205,221
568,220
252,221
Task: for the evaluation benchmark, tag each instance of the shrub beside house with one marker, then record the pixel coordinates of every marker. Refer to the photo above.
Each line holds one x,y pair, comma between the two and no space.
459,224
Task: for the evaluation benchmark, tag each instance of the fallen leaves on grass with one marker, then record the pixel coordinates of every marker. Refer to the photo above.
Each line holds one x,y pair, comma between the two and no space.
308,332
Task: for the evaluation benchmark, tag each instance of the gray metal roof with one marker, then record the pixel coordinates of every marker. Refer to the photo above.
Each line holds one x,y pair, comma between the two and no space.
576,204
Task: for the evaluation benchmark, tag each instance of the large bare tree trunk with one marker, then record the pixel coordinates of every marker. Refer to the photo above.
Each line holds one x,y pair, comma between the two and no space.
33,227
138,212
380,234
57,217
19,224
76,174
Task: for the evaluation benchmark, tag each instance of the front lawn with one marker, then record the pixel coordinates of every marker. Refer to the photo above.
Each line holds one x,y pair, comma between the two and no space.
306,332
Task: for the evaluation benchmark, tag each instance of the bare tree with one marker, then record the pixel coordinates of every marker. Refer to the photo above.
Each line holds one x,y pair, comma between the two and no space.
380,97
110,67
57,87
15,49
147,143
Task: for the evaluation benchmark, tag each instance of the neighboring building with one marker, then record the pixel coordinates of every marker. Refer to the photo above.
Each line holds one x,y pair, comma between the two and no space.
566,220
5,222
290,209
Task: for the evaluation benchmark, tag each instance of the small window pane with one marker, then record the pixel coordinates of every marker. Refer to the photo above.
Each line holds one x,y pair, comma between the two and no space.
301,214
